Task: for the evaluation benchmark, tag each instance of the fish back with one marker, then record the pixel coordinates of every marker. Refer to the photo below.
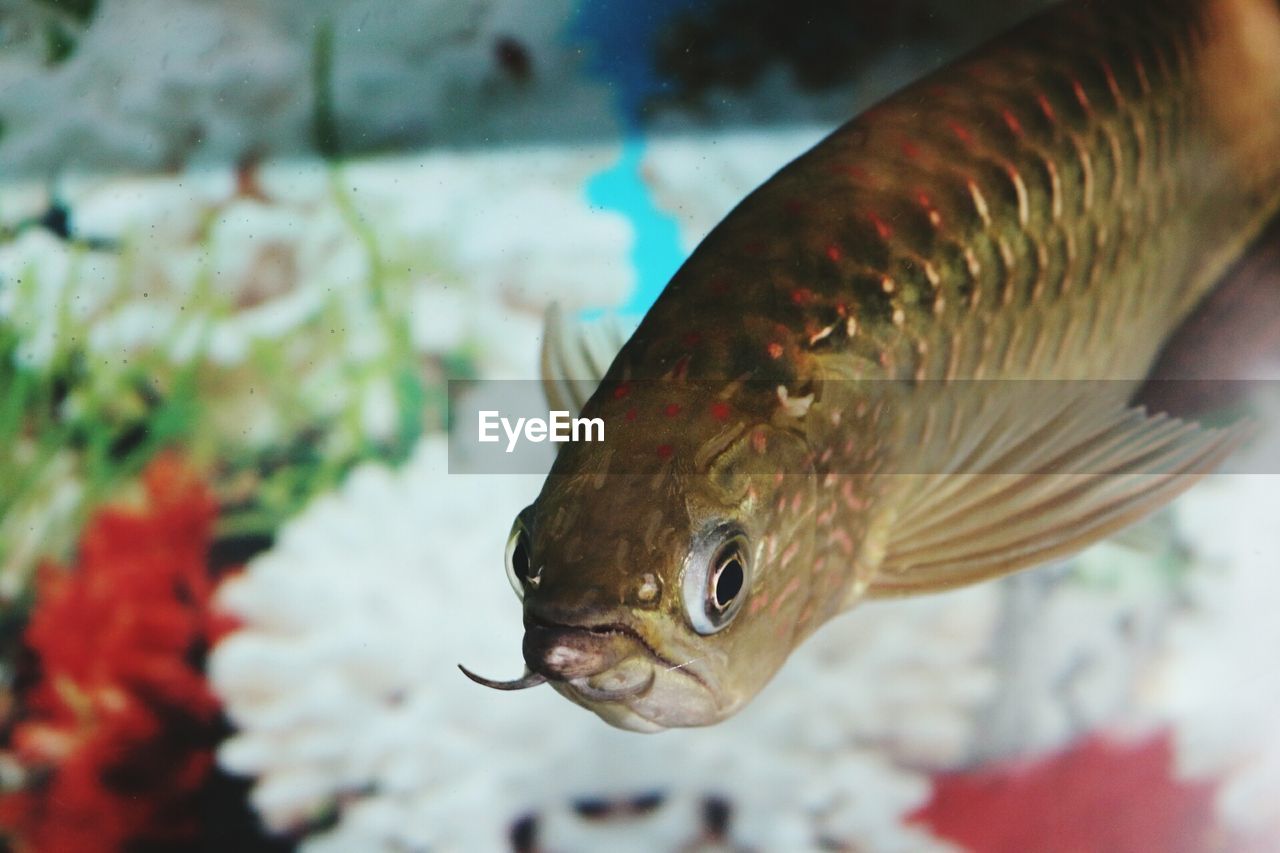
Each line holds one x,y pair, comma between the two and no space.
1082,179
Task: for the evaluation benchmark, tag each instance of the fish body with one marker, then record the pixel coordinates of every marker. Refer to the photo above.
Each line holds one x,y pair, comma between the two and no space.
806,417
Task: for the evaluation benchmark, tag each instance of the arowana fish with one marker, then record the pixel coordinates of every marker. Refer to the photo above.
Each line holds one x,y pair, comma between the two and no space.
813,413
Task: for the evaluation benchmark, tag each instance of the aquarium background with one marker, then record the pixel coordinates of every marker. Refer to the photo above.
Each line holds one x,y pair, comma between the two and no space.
244,248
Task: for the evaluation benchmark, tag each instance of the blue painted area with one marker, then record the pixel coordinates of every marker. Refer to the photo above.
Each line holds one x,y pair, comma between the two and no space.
621,36
656,252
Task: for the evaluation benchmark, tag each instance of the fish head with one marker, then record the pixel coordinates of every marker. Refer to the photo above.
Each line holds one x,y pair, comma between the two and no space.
666,573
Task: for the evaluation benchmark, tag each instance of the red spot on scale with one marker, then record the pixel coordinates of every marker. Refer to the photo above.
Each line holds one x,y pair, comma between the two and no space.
960,132
774,349
926,204
759,441
983,72
882,227
833,252
856,172
622,392
720,411
665,451
1011,122
1081,97
910,149
1113,85
1046,108
802,296
632,414
671,410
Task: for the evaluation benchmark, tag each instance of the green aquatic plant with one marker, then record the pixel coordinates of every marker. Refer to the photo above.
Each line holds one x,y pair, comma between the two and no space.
62,29
81,11
59,43
70,436
324,124
106,371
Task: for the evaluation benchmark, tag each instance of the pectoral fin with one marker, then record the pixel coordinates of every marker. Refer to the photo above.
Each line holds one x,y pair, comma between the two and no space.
1010,498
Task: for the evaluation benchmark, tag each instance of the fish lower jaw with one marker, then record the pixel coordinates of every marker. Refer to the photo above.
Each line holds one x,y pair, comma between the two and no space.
660,699
613,687
616,713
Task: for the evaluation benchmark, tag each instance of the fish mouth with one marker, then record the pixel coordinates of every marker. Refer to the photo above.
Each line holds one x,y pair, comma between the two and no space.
612,670
594,686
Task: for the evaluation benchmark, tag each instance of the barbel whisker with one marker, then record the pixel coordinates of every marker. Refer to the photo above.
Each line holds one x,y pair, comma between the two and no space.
529,679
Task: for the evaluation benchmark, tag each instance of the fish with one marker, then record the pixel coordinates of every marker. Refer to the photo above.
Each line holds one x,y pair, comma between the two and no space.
906,362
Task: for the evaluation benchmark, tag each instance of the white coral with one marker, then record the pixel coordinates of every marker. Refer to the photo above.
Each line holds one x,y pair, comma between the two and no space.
127,97
155,83
1220,686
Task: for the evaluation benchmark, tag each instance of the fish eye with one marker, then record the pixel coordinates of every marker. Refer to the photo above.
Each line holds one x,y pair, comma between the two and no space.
727,581
520,570
716,578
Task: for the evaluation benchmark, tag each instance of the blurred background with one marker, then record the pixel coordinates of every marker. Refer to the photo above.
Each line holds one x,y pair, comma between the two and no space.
245,245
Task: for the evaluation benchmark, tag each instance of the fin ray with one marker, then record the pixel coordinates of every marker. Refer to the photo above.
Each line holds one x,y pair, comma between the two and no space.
575,357
1019,496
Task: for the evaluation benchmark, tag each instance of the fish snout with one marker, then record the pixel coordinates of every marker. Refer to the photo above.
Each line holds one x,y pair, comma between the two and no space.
566,654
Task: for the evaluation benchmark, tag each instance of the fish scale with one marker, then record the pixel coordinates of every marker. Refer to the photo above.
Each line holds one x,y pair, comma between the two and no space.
1016,223
814,408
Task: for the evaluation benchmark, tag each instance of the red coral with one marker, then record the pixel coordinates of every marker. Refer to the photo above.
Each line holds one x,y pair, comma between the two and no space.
1100,795
118,730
